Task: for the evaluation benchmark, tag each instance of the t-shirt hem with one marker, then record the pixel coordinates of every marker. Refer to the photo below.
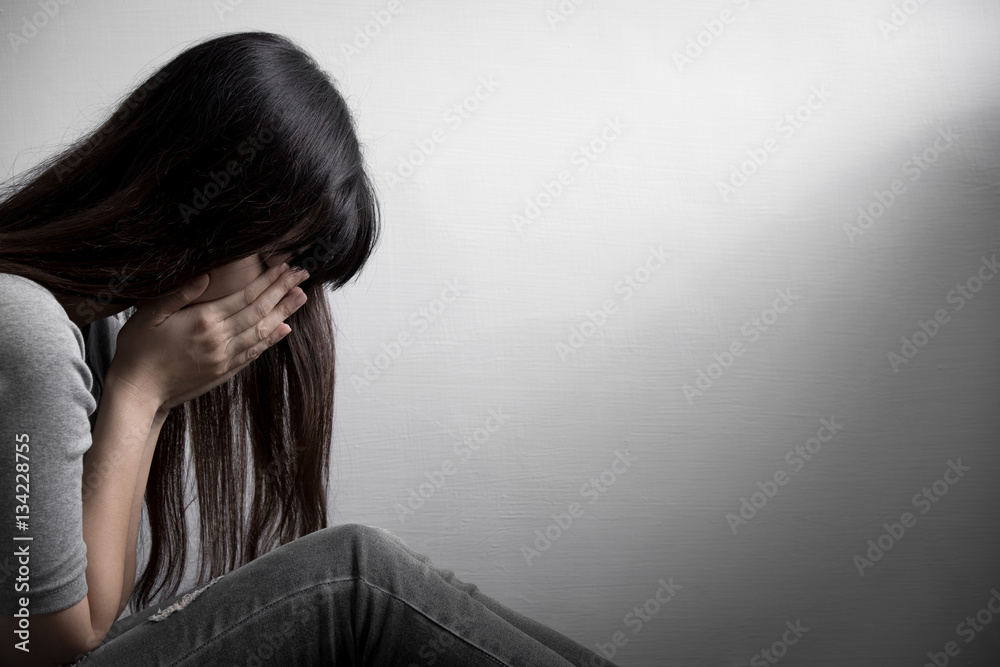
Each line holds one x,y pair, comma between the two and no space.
57,599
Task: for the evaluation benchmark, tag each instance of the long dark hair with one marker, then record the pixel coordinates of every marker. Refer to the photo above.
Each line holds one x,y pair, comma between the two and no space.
241,144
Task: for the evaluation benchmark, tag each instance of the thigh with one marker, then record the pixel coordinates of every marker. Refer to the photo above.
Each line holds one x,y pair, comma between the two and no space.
291,606
319,600
346,595
258,614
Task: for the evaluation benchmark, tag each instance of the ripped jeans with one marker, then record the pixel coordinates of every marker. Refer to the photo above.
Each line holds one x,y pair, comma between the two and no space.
344,595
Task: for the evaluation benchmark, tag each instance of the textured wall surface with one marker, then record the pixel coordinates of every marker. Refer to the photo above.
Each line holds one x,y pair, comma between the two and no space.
698,295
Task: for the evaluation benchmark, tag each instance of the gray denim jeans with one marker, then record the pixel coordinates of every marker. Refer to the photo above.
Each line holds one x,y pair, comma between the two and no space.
344,595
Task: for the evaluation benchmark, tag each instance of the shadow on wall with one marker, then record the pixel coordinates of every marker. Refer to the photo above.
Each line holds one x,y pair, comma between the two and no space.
882,540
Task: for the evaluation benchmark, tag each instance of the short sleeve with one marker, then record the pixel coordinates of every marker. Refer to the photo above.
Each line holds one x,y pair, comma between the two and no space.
45,402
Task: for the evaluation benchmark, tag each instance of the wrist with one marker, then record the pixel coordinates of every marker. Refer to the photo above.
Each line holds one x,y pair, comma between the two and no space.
137,394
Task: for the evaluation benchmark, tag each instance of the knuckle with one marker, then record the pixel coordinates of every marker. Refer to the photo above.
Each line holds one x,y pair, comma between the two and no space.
219,358
261,330
217,351
252,353
261,309
218,342
204,322
249,296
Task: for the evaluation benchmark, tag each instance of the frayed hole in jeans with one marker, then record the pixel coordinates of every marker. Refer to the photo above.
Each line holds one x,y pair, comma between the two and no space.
180,604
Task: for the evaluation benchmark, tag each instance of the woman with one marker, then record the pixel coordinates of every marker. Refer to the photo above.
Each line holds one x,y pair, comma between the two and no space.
237,157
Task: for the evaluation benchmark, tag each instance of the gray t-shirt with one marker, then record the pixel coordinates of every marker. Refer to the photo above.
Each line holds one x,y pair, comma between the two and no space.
51,375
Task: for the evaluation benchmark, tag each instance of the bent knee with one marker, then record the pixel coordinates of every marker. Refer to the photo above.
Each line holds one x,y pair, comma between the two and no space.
361,541
362,532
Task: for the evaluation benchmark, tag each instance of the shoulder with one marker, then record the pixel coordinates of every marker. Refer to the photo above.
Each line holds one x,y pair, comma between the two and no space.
33,325
18,292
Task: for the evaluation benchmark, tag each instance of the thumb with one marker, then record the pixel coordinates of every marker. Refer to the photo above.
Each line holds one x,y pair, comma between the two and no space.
170,303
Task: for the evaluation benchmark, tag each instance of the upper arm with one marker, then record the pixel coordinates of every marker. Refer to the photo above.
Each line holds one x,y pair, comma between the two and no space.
44,402
57,638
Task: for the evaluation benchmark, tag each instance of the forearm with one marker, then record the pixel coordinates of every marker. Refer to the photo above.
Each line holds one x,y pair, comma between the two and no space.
110,472
128,583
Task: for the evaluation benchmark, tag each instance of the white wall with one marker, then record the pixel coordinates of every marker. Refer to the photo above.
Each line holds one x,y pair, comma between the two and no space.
682,131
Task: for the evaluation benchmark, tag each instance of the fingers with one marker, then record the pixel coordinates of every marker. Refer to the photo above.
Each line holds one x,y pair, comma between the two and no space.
260,324
170,303
224,308
252,342
246,307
